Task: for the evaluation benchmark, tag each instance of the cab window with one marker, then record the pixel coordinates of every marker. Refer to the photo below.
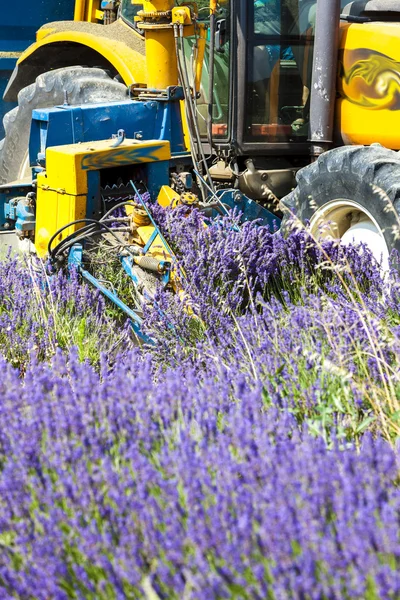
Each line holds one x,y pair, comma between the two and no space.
129,10
280,55
222,61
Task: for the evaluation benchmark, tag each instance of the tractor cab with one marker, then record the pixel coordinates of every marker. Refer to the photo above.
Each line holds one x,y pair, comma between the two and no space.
262,70
263,65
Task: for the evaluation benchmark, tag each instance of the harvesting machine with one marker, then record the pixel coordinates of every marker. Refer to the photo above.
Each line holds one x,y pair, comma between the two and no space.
278,108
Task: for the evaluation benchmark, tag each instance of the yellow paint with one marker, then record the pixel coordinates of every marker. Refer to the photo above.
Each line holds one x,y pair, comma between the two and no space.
127,61
54,210
185,126
62,189
162,68
181,15
161,60
369,108
161,251
91,8
79,13
158,5
167,196
158,249
86,10
201,48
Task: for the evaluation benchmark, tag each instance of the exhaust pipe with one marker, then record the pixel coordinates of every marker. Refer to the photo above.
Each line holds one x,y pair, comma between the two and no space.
323,86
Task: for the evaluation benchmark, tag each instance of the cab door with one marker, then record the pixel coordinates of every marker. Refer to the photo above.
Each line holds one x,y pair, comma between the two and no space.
274,56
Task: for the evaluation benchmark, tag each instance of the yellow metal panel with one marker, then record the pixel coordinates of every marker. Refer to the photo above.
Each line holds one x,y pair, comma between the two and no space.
369,108
67,165
110,41
62,189
79,13
162,66
53,211
167,196
63,171
158,249
158,5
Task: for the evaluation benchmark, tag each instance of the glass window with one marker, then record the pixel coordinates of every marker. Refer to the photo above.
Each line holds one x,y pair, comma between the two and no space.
130,9
221,69
280,53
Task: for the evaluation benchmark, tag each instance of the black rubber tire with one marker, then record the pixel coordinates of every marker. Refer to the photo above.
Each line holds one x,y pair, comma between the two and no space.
368,175
79,85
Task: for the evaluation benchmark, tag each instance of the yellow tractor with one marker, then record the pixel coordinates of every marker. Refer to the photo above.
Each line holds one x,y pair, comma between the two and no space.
280,108
90,59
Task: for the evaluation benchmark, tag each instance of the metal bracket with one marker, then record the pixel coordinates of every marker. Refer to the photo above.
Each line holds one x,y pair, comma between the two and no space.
170,94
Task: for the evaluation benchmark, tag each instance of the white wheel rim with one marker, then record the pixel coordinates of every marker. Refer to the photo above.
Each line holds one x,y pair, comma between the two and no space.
351,223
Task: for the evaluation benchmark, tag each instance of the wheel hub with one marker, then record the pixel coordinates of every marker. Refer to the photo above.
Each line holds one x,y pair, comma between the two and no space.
350,223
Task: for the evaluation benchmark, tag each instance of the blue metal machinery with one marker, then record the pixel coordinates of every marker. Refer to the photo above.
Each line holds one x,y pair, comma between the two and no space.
88,145
19,21
79,156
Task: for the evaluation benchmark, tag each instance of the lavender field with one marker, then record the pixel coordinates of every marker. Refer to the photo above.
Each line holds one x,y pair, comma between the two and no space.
251,453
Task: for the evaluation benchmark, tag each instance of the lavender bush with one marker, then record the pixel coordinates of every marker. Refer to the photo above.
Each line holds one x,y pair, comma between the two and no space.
317,324
141,484
251,454
40,313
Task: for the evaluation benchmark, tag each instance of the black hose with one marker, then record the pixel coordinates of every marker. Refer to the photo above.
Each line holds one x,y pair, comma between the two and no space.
119,205
54,252
77,222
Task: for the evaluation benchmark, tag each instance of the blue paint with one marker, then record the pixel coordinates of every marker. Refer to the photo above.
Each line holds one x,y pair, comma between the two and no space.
6,68
8,208
250,209
18,25
75,261
66,124
93,202
157,176
26,218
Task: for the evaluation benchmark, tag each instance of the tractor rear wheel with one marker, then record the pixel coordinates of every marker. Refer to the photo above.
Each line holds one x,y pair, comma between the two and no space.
76,85
352,194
